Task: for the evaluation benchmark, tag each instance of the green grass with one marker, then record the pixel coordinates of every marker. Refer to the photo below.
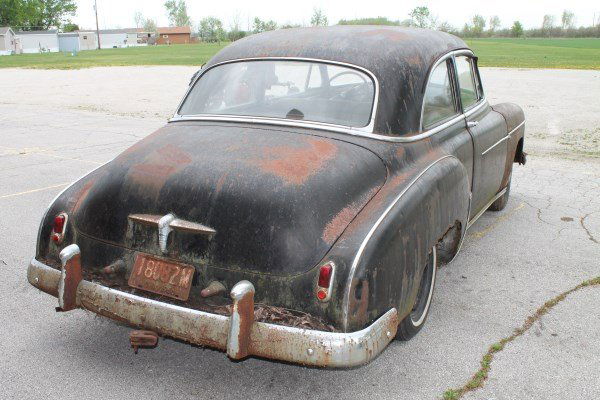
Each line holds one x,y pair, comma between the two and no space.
492,52
537,53
182,54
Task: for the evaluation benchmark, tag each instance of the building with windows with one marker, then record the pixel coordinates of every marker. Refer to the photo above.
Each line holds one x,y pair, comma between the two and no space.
174,35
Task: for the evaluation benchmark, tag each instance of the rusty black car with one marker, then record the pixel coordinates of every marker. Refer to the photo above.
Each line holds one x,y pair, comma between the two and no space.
297,205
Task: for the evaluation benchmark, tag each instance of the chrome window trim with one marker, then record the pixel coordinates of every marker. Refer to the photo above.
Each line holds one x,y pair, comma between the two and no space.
444,58
473,81
366,132
363,245
465,113
366,129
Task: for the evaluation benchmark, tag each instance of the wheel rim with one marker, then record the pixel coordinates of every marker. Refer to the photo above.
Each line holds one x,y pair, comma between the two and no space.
421,307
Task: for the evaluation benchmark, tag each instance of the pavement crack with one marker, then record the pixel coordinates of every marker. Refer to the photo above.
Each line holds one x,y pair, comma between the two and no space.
539,213
589,233
478,379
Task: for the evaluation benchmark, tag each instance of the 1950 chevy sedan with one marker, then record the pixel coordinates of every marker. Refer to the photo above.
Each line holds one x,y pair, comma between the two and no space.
298,203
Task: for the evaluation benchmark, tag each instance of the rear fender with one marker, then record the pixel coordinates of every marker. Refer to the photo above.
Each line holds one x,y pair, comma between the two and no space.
386,269
515,124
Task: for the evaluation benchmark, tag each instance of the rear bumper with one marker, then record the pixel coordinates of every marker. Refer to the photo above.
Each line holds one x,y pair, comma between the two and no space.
234,334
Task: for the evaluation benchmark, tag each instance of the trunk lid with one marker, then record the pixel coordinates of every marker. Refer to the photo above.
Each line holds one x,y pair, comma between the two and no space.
277,200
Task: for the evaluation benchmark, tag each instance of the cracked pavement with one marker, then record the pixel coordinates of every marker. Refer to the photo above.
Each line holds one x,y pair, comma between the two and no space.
56,125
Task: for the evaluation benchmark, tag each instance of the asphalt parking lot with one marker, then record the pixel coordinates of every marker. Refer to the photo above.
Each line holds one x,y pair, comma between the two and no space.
57,125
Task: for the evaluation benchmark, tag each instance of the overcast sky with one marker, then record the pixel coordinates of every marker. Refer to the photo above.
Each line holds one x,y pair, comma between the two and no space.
120,13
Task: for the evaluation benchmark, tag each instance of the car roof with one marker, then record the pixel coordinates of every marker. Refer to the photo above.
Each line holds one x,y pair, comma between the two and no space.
399,57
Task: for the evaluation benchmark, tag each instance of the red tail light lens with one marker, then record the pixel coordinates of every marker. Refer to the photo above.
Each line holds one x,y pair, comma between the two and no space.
326,272
59,223
325,275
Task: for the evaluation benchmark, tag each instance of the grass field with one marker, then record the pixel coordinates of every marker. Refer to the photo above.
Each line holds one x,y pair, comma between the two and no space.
516,53
538,53
182,54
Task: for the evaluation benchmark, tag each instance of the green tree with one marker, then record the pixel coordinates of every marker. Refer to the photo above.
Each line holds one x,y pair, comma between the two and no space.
494,24
478,25
36,14
138,18
263,26
70,27
210,29
149,25
318,18
368,21
517,29
177,13
568,19
235,31
446,27
11,13
234,35
422,17
547,24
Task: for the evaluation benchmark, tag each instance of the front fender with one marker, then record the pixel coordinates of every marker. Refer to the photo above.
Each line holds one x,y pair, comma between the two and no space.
386,269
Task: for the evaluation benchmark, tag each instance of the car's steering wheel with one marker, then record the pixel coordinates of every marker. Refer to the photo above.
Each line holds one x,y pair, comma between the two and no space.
347,73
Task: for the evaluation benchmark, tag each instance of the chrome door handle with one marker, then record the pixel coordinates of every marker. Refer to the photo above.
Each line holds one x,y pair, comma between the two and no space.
472,124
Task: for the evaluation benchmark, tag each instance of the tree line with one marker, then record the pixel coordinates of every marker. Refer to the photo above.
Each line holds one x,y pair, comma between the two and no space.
46,14
210,29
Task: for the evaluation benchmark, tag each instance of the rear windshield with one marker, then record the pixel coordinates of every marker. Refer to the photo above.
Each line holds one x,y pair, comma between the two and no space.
296,90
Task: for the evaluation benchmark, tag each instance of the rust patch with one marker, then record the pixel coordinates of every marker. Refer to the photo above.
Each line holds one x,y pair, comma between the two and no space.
359,301
80,197
245,309
295,165
146,339
72,276
336,226
158,166
220,183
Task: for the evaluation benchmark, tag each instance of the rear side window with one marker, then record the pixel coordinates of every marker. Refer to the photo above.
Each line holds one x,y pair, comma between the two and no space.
466,81
438,104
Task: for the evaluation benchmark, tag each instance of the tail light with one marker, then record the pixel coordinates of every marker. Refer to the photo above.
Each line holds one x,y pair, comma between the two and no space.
326,273
59,226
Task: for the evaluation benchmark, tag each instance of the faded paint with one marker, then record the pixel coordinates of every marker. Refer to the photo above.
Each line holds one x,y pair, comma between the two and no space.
158,166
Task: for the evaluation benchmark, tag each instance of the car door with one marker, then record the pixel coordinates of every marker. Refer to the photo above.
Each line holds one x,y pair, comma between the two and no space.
442,113
488,130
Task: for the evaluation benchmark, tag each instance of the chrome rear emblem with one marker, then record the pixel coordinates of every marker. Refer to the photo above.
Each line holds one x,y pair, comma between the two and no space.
169,223
164,228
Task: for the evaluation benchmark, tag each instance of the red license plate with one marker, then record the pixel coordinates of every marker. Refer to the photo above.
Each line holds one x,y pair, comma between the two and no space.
162,277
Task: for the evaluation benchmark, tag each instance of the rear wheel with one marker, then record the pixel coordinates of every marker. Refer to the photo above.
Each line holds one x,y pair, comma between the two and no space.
502,201
412,324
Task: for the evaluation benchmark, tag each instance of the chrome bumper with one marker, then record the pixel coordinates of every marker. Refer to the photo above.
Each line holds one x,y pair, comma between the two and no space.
236,335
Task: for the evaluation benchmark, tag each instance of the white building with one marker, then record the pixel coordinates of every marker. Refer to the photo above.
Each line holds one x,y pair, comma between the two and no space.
116,38
9,44
77,41
38,41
